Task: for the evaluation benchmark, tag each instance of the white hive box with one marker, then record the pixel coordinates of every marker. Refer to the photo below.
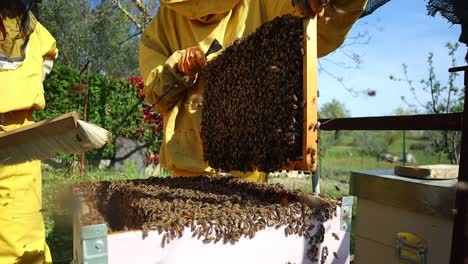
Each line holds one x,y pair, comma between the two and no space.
94,244
390,205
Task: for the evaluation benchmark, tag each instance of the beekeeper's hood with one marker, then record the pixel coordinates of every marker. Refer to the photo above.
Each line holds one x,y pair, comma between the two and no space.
14,38
207,11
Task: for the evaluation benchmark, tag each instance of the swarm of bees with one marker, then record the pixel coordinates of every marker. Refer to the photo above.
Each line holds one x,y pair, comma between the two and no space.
253,101
212,209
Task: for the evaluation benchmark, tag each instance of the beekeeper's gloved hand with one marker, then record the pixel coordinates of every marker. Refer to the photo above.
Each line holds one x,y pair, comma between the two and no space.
306,8
193,61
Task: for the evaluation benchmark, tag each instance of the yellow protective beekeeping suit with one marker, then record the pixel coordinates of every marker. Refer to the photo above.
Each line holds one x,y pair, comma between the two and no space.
181,24
22,234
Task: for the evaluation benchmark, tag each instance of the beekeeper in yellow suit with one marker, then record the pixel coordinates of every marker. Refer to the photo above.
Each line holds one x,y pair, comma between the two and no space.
174,45
27,50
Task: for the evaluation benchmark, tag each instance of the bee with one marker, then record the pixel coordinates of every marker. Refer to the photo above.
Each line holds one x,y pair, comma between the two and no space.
275,69
209,239
251,234
335,255
335,236
163,241
324,255
145,232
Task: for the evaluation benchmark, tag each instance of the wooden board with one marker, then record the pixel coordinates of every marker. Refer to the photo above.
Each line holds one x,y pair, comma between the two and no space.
435,172
45,139
56,125
310,128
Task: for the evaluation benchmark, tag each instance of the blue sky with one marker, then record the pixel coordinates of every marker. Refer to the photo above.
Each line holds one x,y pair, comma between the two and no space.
401,32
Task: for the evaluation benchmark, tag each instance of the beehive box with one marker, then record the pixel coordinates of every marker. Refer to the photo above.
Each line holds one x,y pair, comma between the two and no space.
260,109
402,219
203,220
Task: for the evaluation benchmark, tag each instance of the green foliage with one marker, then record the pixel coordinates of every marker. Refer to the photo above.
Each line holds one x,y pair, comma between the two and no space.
402,111
326,141
334,109
420,147
130,168
370,144
113,104
95,32
391,137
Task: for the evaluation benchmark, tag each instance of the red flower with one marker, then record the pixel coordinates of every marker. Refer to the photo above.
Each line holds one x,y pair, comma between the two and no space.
140,130
152,157
136,81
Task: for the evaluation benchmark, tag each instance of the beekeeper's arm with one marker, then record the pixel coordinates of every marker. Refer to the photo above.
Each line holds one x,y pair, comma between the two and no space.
159,67
341,17
48,47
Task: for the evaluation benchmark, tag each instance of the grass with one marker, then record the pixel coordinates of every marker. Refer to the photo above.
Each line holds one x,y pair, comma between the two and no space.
335,170
329,187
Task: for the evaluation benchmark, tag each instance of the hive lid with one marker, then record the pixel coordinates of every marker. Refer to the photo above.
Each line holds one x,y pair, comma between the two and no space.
430,172
435,198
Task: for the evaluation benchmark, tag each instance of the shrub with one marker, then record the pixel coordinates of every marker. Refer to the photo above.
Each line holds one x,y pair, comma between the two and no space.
114,104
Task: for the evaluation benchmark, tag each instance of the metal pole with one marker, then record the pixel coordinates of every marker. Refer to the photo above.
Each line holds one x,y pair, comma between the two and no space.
85,110
85,117
404,147
316,177
459,253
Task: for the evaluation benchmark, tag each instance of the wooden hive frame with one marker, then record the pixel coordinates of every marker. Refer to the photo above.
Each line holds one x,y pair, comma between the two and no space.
310,89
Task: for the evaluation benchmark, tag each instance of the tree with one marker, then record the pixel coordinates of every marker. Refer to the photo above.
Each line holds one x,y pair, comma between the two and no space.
69,23
114,49
446,98
95,31
139,12
402,111
334,109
